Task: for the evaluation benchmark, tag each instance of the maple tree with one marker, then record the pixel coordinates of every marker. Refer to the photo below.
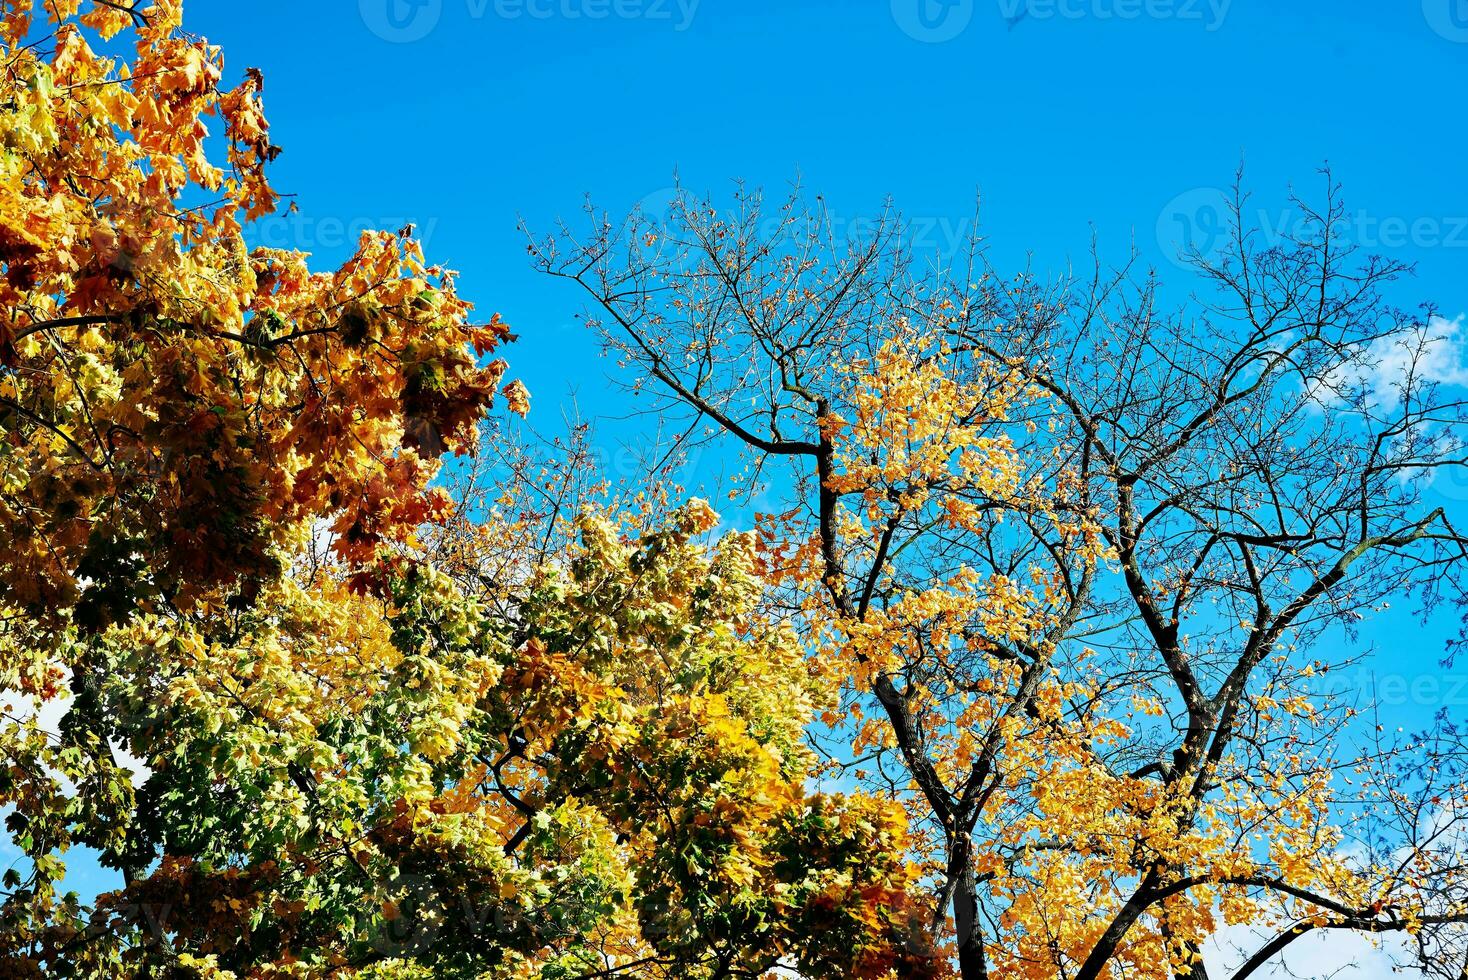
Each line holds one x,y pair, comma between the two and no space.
1071,557
414,786
292,718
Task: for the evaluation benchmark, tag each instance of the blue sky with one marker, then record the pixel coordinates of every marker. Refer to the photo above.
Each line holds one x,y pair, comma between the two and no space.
1121,113
1129,115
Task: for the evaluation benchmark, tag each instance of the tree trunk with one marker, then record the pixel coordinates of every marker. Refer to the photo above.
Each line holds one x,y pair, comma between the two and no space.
971,961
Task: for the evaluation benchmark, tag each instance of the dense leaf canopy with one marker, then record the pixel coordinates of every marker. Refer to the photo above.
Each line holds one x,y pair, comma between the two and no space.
307,767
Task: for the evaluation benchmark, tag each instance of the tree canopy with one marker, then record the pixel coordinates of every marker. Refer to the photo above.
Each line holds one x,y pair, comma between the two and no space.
348,767
1068,554
1014,674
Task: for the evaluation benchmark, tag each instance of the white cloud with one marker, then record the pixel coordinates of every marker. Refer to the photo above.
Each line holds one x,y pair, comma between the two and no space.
18,707
1329,955
1340,954
1435,353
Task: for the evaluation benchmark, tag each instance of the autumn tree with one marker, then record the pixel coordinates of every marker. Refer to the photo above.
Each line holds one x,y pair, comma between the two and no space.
414,786
177,408
291,721
1071,554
